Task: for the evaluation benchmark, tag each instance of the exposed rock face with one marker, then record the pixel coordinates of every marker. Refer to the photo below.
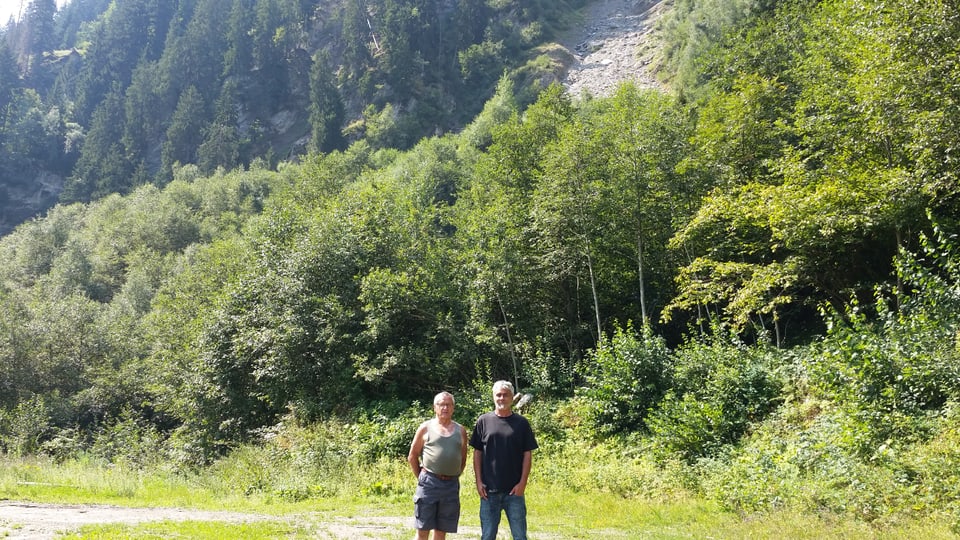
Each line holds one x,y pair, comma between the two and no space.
614,45
23,200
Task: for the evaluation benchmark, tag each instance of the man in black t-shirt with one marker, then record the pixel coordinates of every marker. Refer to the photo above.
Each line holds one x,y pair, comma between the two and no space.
503,445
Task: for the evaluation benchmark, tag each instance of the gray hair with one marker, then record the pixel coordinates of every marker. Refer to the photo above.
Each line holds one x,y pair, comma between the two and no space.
503,384
441,395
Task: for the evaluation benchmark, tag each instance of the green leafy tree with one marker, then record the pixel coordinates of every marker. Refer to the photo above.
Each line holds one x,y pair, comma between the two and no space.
38,33
24,133
357,57
397,55
509,306
238,60
9,78
267,45
641,141
569,210
16,371
127,33
470,20
143,114
412,317
819,178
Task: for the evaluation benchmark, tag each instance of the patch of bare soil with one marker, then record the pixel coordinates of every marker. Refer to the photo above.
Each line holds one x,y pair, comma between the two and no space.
616,44
38,521
35,521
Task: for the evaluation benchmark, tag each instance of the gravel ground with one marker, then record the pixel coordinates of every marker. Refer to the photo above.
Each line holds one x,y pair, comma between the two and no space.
36,521
614,45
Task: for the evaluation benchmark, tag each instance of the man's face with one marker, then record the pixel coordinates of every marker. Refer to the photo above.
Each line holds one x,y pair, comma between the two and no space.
502,398
444,408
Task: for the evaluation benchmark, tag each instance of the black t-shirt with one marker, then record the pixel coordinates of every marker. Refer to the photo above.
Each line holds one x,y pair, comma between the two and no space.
503,440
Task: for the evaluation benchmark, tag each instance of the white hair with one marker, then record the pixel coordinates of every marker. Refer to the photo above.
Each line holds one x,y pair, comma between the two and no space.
441,395
503,384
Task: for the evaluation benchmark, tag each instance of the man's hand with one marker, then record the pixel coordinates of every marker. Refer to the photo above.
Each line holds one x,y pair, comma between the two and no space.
518,489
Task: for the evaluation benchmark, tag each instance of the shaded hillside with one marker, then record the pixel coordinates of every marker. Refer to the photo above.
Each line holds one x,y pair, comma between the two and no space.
100,99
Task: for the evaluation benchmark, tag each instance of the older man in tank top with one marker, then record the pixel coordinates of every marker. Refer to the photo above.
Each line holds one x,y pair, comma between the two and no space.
437,456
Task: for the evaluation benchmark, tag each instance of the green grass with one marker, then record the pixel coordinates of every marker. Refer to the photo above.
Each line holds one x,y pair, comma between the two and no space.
583,516
375,502
604,515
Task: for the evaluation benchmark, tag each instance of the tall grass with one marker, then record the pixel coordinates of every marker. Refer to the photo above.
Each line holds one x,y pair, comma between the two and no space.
310,476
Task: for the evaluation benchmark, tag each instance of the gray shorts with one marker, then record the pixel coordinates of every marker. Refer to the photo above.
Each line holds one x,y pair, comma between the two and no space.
436,503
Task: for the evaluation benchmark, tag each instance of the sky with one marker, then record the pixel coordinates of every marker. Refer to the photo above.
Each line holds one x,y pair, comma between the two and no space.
12,7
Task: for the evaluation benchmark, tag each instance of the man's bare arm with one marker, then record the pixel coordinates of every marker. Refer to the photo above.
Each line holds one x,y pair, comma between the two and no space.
416,448
524,474
478,472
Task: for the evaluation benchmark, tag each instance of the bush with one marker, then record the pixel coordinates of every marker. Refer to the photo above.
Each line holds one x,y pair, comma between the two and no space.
903,360
295,462
380,434
22,428
933,467
627,378
129,440
809,457
719,390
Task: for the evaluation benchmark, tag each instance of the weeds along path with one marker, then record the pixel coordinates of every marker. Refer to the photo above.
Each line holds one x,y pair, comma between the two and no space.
615,44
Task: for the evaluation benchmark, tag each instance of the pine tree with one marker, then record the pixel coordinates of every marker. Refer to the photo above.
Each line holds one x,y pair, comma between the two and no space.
326,107
185,133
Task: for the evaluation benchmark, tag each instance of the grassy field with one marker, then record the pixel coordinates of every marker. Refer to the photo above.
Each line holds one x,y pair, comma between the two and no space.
381,509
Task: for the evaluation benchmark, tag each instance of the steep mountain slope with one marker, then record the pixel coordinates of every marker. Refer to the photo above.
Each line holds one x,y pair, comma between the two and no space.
99,129
616,43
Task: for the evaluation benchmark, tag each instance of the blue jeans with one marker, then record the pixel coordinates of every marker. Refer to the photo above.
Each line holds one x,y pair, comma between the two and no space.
490,509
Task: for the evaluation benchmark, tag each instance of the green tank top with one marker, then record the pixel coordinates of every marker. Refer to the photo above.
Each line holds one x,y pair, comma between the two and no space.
442,455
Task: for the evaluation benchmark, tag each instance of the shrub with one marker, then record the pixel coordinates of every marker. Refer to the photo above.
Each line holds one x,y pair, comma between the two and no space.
129,440
719,390
810,457
933,467
627,377
22,428
381,434
903,360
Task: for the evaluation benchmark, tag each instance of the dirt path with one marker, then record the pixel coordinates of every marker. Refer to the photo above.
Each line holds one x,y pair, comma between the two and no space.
615,45
36,521
39,521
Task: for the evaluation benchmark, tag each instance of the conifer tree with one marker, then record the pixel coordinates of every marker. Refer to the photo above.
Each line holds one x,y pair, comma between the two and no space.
185,133
326,107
